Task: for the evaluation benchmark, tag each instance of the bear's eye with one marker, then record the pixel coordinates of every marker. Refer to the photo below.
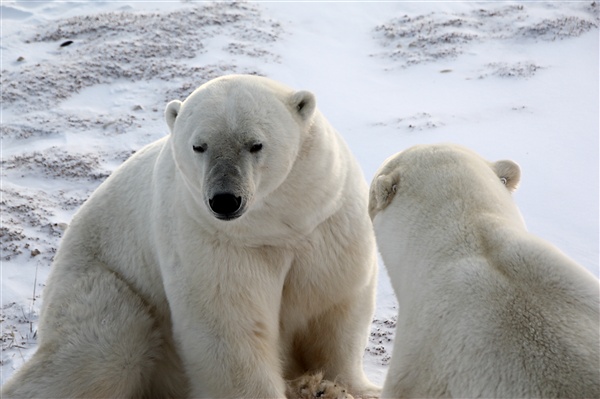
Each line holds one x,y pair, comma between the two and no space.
256,148
199,148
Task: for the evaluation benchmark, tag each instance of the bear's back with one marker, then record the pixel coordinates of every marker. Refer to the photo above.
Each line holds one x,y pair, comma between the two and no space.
544,318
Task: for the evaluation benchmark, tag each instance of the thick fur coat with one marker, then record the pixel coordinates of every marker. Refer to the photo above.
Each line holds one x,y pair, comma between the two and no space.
486,309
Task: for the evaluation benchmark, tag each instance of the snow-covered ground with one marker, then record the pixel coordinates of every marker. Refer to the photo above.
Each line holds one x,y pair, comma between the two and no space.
517,80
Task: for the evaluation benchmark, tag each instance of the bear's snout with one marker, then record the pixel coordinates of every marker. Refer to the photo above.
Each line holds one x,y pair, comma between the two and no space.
226,206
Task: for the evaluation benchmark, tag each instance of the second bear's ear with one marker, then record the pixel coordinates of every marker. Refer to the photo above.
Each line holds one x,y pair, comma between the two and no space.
304,103
171,113
509,173
382,192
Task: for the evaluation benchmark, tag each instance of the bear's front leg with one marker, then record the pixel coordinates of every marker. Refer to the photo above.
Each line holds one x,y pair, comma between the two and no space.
226,324
334,341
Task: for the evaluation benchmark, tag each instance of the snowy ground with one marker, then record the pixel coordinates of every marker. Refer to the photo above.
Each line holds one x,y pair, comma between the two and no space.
515,80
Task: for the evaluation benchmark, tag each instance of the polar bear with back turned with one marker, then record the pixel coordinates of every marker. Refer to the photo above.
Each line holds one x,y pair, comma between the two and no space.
486,308
210,263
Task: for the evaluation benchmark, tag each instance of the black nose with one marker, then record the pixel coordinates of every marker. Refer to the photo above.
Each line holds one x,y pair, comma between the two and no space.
225,205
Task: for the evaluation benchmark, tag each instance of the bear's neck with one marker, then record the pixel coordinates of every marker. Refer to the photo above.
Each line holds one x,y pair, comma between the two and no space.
443,235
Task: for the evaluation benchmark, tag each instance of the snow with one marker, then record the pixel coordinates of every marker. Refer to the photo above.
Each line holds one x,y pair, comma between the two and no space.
512,80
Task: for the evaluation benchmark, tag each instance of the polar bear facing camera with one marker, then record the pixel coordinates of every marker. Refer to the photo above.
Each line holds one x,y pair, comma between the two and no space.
486,309
220,261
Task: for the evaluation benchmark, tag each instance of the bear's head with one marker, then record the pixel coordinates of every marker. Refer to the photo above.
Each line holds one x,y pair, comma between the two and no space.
236,138
435,175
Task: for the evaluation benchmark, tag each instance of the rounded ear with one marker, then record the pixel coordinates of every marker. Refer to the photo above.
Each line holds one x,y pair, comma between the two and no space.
383,189
509,173
171,113
304,103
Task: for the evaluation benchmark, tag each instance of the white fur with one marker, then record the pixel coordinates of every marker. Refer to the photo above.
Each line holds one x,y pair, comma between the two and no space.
485,308
152,295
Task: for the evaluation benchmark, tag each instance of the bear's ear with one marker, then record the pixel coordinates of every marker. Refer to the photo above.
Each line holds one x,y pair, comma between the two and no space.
509,173
383,189
171,113
304,103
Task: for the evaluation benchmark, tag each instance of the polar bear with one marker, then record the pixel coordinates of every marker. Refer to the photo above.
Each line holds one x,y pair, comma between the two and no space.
220,261
486,309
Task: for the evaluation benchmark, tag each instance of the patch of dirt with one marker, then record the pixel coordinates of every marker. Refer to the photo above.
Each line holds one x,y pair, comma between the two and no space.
412,40
57,163
557,29
28,225
426,38
511,70
18,330
381,340
414,123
